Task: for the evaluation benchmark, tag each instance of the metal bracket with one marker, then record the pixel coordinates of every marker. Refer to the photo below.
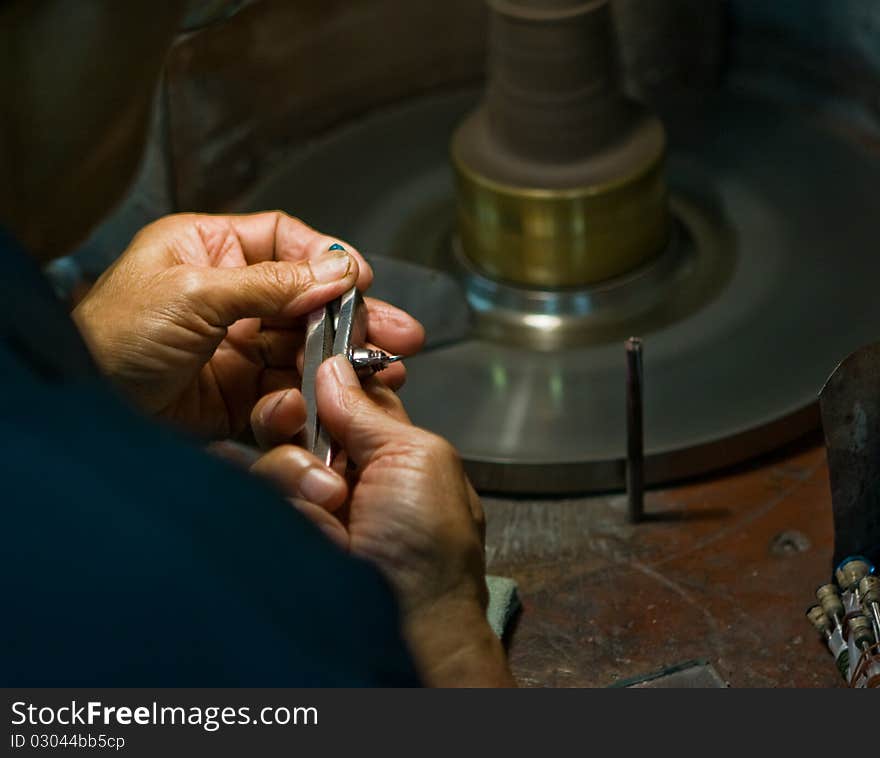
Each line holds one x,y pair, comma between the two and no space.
850,407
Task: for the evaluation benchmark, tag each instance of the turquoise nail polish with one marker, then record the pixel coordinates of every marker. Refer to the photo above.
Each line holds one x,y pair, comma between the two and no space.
337,246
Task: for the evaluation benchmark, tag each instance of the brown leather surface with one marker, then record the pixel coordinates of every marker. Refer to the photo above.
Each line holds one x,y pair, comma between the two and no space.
722,571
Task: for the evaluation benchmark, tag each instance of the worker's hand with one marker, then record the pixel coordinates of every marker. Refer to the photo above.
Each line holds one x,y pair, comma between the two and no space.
200,321
412,512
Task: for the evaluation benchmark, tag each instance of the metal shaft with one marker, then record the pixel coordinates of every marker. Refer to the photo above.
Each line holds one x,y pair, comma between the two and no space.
869,589
553,89
829,598
874,609
635,454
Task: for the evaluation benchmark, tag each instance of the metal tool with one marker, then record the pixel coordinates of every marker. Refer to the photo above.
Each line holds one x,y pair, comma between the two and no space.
869,591
850,572
833,638
339,328
829,598
367,361
863,653
635,443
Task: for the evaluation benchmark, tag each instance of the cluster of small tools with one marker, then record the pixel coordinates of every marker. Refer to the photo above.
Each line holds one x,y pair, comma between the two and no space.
847,617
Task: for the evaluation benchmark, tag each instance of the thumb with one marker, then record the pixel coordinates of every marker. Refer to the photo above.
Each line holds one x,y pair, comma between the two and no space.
353,419
271,288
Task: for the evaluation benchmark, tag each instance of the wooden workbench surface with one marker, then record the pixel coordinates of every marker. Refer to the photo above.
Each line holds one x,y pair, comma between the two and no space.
722,571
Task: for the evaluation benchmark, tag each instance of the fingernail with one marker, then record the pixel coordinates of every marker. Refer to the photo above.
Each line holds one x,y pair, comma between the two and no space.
319,485
336,246
343,371
269,410
331,266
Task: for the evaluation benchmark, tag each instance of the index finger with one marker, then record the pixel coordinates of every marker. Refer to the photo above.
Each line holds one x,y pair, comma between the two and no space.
267,236
393,329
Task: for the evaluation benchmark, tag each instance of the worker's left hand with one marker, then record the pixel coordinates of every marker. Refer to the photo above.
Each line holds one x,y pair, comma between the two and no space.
201,319
408,509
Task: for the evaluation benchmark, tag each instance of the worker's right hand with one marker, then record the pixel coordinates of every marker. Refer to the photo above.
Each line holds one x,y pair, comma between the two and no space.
411,512
202,317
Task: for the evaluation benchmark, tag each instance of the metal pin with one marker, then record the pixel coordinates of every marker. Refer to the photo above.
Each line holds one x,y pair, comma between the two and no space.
635,456
828,596
869,589
833,638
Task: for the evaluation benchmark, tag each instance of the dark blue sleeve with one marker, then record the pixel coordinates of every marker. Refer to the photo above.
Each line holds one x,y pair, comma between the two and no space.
130,558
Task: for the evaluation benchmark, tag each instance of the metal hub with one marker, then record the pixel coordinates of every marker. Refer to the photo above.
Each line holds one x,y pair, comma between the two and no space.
772,281
685,276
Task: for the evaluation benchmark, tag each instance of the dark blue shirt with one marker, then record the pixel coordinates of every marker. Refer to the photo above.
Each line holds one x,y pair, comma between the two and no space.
128,557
